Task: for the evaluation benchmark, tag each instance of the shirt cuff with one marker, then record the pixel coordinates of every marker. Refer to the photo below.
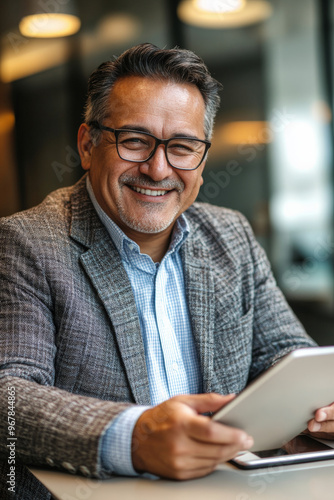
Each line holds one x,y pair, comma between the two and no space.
116,442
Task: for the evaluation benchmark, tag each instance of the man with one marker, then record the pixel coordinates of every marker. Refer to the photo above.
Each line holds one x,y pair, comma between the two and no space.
128,311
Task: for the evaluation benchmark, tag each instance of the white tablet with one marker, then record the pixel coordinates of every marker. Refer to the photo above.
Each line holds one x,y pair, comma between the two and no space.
276,406
300,449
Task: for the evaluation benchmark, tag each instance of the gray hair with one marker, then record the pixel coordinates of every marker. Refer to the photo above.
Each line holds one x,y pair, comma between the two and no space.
147,60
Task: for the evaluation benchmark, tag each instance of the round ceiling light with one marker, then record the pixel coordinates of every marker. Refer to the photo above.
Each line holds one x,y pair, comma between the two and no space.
49,25
251,12
220,6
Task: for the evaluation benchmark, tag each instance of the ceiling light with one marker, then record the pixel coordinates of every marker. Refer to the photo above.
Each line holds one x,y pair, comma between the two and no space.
48,25
43,54
253,11
220,6
32,58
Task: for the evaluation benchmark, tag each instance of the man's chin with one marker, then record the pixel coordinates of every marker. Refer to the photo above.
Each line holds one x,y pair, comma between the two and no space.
148,221
148,228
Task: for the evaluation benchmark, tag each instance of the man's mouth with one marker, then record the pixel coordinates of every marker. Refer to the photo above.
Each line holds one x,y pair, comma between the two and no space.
149,192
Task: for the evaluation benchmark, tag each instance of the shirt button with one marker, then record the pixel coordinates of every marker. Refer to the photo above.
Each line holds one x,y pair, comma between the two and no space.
132,247
175,367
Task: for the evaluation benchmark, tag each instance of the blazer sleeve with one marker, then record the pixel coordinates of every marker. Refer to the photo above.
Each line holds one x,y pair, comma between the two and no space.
53,427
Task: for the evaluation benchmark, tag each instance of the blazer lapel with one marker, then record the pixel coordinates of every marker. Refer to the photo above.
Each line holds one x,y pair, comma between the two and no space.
200,294
104,267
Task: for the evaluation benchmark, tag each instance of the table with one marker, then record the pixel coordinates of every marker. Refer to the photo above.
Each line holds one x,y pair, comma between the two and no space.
303,481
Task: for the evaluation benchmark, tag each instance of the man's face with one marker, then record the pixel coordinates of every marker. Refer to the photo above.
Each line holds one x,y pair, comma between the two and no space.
164,110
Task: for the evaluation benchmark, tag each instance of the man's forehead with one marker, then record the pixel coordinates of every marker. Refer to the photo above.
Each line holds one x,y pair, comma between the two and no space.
143,85
162,106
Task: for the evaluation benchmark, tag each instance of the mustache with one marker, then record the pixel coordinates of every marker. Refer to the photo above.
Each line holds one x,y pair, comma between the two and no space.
145,181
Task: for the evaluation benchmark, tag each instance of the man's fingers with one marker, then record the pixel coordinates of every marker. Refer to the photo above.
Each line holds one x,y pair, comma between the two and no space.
217,454
326,413
204,403
322,425
199,461
174,439
203,429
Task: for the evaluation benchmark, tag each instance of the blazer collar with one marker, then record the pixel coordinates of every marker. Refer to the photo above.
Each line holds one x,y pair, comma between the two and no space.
103,266
86,227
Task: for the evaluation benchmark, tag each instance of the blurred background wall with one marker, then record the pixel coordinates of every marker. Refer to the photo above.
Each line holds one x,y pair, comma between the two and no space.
272,155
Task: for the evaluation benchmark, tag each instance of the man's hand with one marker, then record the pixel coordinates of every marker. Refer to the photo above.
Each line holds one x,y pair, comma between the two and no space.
322,425
174,440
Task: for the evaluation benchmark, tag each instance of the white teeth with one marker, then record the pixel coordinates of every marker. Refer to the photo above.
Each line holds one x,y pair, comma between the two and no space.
149,192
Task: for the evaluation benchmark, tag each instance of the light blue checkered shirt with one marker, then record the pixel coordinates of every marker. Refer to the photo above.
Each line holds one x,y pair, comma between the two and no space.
170,352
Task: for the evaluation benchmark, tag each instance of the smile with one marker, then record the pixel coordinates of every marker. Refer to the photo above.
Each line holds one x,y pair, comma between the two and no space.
149,192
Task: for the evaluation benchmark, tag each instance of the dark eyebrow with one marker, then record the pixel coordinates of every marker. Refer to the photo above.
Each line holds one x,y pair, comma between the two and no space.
135,127
147,131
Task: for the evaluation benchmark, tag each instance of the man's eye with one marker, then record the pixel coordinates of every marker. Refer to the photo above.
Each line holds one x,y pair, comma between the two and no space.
181,148
131,139
133,142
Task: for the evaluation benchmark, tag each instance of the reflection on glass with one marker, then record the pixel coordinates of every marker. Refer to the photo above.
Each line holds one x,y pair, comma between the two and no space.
300,156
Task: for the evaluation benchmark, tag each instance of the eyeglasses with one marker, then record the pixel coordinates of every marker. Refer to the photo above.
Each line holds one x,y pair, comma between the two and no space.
182,153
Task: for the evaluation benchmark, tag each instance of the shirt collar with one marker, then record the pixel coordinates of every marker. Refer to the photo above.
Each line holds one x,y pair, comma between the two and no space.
179,235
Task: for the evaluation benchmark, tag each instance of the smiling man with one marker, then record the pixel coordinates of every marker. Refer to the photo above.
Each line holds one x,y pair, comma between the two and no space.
144,193
129,311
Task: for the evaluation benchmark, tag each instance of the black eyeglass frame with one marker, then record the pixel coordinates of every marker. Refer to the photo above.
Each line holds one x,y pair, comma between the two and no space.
158,141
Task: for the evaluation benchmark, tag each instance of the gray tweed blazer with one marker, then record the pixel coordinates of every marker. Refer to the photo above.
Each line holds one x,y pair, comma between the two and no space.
71,345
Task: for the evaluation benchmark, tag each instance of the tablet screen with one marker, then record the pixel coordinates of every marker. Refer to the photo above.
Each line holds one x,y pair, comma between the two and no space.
297,445
300,449
279,403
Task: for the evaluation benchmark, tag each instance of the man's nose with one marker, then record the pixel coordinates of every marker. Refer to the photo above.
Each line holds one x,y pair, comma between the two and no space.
157,167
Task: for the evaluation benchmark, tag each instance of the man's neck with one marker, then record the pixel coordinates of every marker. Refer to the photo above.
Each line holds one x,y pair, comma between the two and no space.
154,245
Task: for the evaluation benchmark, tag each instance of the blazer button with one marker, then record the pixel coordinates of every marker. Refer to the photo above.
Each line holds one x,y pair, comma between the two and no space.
84,470
68,467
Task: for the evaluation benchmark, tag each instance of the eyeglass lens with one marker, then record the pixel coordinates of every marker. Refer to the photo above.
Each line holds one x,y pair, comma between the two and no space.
181,152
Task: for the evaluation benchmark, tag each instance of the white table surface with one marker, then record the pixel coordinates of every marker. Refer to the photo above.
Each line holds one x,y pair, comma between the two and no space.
304,481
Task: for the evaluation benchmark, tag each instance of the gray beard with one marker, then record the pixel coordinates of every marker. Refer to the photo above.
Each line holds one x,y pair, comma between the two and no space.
149,225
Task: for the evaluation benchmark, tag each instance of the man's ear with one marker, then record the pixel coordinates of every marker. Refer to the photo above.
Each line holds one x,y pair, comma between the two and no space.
85,146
